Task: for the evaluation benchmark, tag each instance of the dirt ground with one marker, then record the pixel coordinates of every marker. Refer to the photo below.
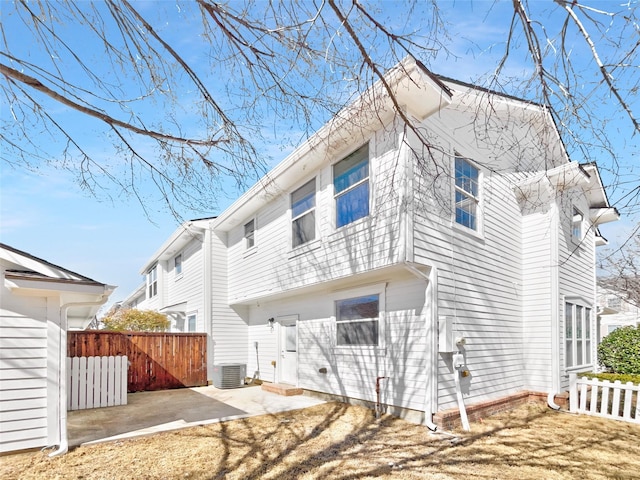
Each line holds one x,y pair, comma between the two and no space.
337,441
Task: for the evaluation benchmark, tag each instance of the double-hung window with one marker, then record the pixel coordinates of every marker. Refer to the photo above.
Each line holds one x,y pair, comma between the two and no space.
152,282
577,320
249,234
351,187
303,214
467,193
177,265
358,321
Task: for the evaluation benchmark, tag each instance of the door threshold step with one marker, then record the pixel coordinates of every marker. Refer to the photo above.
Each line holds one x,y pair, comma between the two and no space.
282,389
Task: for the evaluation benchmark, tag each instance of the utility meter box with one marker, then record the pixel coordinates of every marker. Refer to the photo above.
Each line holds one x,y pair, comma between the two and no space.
446,340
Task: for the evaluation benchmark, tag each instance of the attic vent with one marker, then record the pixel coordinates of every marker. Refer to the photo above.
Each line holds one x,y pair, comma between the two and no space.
229,375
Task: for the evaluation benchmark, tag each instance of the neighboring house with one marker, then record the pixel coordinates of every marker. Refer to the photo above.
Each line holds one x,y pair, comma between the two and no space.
614,311
175,279
39,301
364,248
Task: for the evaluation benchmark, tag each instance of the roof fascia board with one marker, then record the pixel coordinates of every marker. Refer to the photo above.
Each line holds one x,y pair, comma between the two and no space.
41,287
30,262
178,239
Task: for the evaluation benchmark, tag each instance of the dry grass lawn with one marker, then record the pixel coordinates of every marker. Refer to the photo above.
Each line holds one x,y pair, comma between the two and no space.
335,440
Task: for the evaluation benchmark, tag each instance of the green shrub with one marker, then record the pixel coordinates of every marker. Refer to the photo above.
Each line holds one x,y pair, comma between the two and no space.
620,351
612,377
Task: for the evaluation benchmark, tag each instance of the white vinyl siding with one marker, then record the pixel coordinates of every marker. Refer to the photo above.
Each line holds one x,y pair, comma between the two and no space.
228,326
23,369
351,371
479,285
190,288
369,243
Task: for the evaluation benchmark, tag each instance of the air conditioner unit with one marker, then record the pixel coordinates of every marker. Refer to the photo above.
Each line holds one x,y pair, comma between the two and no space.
229,375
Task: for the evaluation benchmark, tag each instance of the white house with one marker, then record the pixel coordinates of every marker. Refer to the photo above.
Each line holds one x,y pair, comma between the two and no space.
615,311
428,212
39,301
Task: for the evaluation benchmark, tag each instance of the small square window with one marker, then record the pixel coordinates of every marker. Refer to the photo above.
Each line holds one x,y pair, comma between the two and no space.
249,234
357,321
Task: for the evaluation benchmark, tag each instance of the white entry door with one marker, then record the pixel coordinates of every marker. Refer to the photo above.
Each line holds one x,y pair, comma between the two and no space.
288,349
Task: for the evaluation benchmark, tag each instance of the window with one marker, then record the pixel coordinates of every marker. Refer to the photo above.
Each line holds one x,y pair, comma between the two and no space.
357,320
577,320
467,195
249,233
177,264
351,187
576,225
152,282
191,322
303,214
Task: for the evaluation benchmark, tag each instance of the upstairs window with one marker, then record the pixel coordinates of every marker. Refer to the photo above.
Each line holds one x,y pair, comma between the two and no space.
357,320
177,264
576,225
303,214
152,282
249,234
467,193
351,187
577,320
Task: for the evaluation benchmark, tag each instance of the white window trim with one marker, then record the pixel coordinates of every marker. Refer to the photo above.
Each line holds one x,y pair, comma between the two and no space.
150,282
250,250
310,243
577,218
585,304
186,322
380,290
334,211
178,275
479,230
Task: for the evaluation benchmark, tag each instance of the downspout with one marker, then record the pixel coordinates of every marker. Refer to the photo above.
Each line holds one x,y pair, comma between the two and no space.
431,297
431,289
63,447
208,307
555,296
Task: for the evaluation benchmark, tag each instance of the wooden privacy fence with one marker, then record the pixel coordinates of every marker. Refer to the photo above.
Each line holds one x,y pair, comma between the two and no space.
601,398
94,382
157,360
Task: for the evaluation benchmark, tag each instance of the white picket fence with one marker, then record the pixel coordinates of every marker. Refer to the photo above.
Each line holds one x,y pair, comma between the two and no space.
602,398
94,382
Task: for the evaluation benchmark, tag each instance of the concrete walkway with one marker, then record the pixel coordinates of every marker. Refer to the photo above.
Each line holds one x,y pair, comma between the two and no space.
152,412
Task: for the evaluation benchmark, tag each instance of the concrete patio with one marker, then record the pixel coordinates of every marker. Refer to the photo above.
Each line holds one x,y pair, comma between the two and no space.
152,412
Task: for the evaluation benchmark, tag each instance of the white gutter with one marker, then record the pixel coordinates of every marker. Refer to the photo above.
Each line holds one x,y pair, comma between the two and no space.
554,265
63,447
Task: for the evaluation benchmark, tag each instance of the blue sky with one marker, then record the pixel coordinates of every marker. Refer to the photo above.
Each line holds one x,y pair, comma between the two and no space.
46,213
